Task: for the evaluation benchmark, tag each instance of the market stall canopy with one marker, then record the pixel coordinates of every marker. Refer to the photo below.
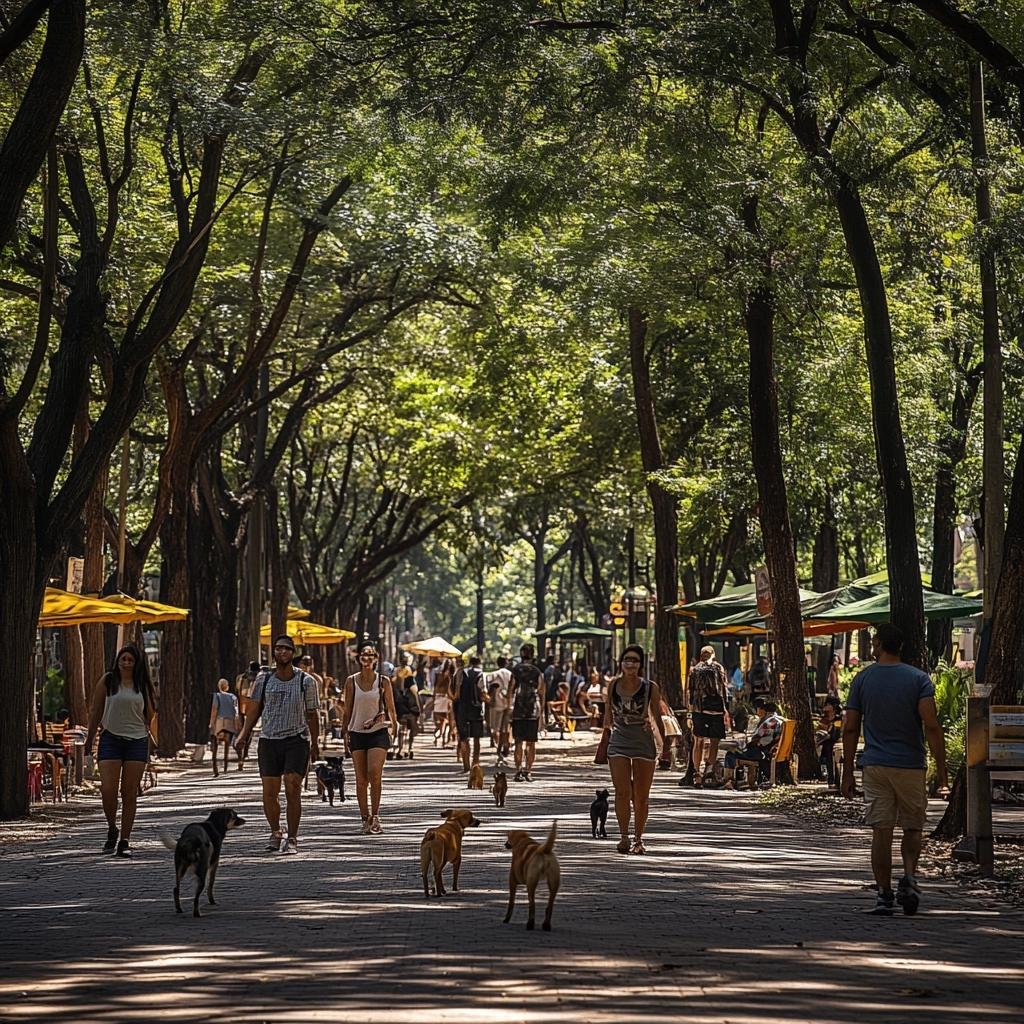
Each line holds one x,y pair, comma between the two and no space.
148,611
306,633
575,631
436,646
873,610
750,616
61,608
297,613
731,599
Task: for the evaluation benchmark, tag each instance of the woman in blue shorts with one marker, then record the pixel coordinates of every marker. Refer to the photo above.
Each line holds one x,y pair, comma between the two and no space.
122,703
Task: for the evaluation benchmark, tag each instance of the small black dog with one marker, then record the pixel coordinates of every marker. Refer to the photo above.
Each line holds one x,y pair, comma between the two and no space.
330,776
198,851
599,814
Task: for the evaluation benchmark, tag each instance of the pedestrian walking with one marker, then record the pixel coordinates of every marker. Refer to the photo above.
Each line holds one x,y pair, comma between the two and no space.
499,711
894,702
470,702
443,702
527,695
369,712
407,708
243,687
122,705
709,708
631,715
287,701
225,723
832,682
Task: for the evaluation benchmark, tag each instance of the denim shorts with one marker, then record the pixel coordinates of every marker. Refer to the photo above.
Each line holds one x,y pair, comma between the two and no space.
121,748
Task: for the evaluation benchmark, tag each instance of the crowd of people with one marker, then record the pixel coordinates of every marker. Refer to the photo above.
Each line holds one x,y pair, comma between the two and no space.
378,711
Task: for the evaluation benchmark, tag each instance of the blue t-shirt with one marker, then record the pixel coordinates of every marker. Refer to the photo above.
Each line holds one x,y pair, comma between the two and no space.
887,697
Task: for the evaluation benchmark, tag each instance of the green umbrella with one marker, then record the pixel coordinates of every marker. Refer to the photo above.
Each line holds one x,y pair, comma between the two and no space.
729,601
575,631
751,616
875,609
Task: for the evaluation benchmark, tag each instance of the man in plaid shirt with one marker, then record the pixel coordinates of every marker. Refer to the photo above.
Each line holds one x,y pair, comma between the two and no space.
759,746
288,702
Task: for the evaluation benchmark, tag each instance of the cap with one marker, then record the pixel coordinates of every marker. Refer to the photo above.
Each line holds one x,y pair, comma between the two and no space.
387,669
284,640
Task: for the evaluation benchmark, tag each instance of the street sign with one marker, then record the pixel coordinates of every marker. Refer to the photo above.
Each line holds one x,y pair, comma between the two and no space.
76,568
763,588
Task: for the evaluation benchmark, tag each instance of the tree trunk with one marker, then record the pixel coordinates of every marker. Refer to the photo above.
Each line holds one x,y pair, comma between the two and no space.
773,503
905,600
940,631
205,616
174,661
825,574
1003,668
663,503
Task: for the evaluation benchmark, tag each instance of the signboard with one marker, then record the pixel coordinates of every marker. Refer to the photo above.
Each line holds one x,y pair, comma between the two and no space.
76,568
763,589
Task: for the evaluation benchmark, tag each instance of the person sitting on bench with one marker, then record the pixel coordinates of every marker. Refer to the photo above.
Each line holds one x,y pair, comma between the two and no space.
760,747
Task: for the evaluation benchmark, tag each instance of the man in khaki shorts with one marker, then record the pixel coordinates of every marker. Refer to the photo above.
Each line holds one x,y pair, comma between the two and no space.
893,701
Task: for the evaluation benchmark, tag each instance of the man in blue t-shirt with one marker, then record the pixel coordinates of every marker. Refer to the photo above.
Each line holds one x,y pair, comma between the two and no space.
894,701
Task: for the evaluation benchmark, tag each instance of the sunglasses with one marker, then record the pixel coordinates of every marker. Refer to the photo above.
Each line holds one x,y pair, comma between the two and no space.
630,661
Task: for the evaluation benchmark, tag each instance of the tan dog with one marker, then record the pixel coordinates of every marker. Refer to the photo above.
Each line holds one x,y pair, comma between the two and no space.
443,845
476,777
532,861
500,788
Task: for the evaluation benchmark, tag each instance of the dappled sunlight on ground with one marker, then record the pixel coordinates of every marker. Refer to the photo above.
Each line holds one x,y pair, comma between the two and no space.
735,913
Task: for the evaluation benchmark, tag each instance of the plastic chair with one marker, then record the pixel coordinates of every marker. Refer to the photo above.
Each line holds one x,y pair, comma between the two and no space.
35,781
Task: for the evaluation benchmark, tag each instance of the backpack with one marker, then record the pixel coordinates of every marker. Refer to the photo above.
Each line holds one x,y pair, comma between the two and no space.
469,691
525,704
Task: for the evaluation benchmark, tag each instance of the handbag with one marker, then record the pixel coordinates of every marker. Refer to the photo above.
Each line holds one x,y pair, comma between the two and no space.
601,754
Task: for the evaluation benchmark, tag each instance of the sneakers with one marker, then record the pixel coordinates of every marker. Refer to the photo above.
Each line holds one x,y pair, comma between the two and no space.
884,904
290,845
375,826
527,777
112,835
274,842
908,895
518,777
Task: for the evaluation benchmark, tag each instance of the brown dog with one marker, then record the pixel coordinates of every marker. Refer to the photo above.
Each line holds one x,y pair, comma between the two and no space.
532,861
443,845
476,777
500,788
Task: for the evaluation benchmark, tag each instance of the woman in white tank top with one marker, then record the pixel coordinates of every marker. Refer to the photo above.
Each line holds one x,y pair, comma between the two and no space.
369,713
122,703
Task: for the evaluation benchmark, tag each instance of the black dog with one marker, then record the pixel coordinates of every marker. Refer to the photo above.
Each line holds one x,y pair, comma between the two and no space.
198,851
599,814
330,776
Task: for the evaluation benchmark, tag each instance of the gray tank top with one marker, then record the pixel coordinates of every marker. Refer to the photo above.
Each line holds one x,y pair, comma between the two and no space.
124,714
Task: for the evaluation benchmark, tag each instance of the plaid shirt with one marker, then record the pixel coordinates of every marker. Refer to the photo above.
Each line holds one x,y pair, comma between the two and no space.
767,732
285,703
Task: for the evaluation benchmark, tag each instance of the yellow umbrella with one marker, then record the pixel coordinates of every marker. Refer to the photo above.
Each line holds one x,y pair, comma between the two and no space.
436,646
148,611
63,609
297,613
305,632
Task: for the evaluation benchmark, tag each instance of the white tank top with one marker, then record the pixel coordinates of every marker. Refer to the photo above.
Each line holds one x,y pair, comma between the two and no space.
366,705
124,714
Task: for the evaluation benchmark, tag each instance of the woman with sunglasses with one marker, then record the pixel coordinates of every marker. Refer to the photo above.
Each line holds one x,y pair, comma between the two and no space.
369,714
631,715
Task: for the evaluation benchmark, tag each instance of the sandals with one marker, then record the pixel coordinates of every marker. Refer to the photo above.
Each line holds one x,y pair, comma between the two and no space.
638,848
623,845
274,843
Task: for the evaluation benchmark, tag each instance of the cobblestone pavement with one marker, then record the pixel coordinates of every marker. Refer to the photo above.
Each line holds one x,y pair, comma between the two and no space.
733,916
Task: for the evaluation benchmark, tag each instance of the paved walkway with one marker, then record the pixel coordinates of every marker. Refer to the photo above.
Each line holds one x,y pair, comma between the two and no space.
734,916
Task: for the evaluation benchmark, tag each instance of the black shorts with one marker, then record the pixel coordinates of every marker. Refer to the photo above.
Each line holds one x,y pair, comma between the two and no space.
411,723
708,725
524,730
470,728
379,739
288,756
